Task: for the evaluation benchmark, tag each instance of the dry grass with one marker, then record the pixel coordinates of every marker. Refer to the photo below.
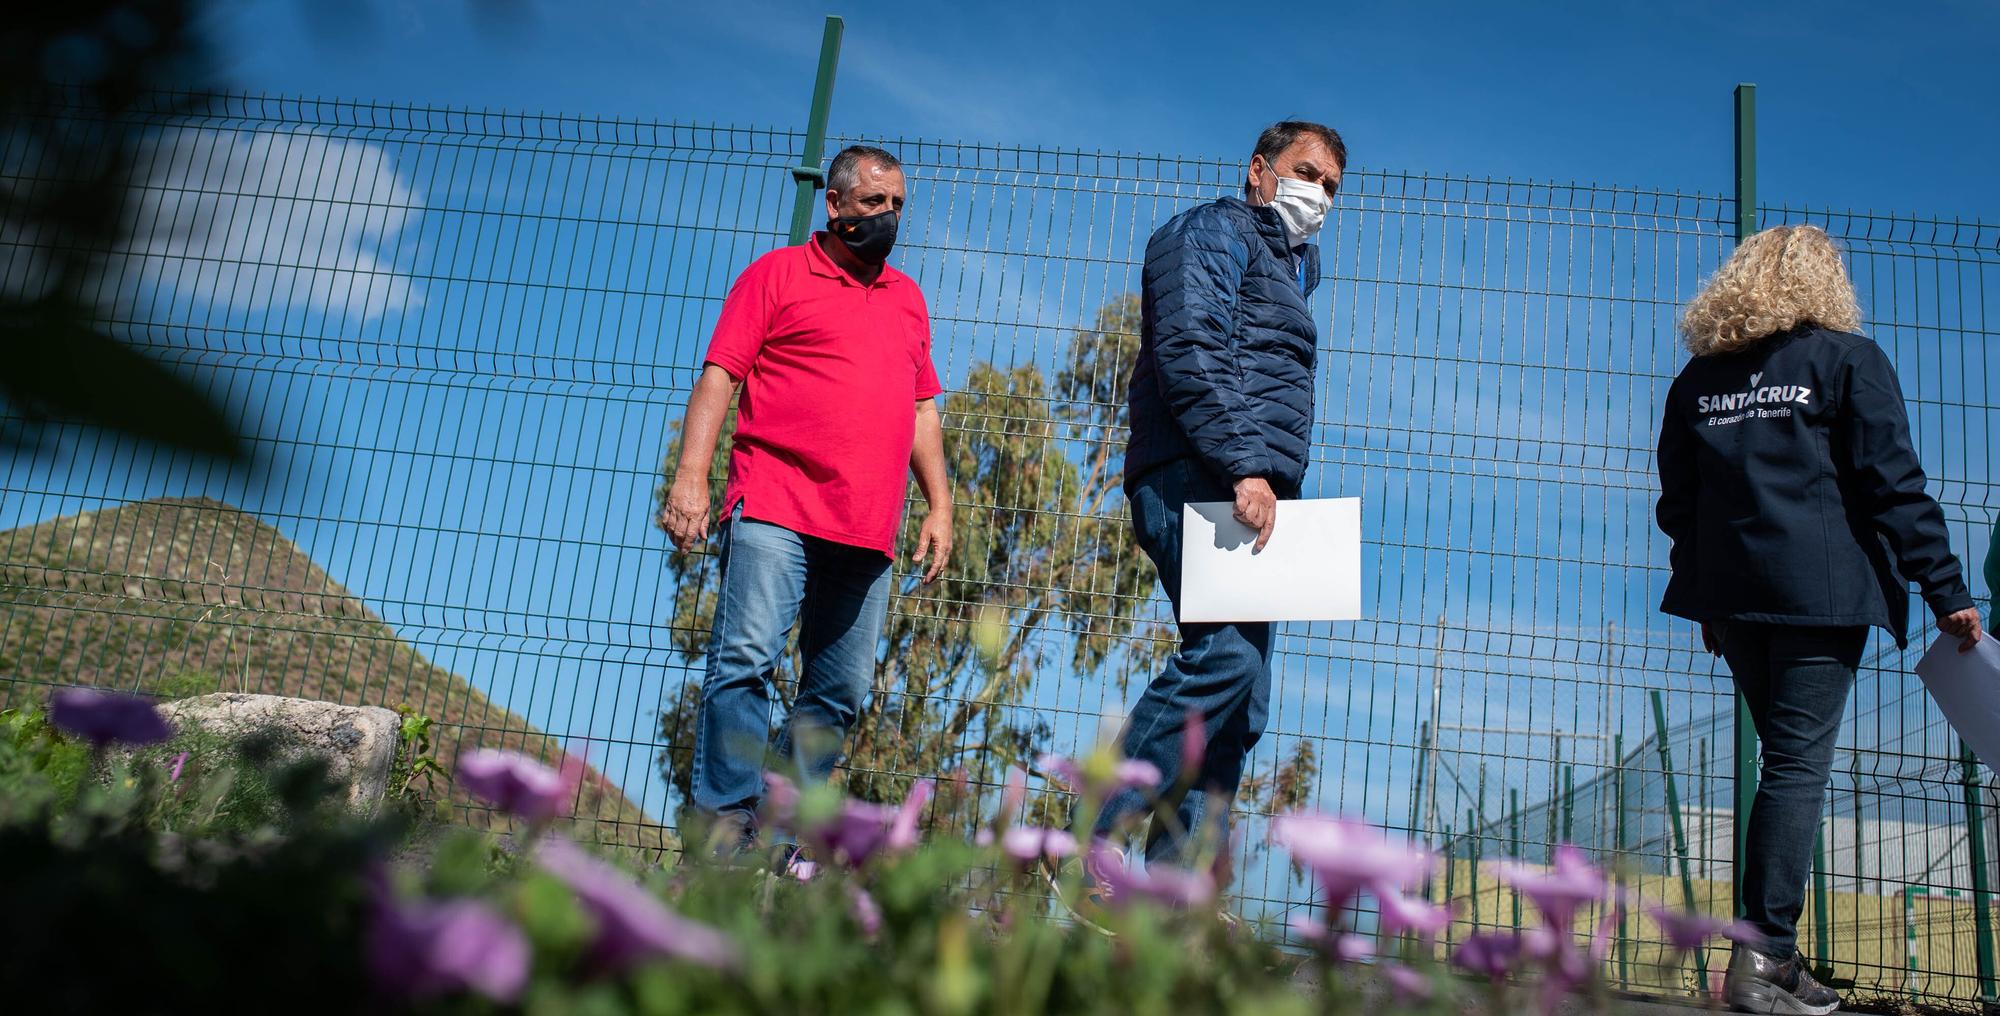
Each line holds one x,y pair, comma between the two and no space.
1866,932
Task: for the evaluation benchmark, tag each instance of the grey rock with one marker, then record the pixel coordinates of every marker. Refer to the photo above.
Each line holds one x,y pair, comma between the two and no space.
357,743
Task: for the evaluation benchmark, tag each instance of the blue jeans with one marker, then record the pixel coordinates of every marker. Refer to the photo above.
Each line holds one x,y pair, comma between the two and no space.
771,578
1222,672
1796,682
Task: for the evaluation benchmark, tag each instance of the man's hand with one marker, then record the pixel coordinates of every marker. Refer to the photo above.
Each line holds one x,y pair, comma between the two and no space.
685,515
1709,640
1257,507
1963,625
934,538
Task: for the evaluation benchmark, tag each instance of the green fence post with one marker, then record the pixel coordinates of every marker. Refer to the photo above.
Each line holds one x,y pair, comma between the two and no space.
807,172
1618,839
1569,804
1746,732
1982,889
1450,877
1472,871
1423,752
1514,833
1822,915
1674,814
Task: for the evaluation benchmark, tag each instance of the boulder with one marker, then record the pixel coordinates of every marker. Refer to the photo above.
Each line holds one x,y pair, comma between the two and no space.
358,743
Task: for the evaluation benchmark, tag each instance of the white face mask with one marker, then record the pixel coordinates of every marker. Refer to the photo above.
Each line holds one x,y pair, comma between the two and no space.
1303,207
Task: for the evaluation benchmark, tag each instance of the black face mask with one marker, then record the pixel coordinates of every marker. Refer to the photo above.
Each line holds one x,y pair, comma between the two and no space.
869,237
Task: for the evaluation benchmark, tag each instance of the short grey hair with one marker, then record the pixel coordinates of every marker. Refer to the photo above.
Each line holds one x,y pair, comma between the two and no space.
846,168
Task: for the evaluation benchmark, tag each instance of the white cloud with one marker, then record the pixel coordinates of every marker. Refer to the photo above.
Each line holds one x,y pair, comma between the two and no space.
253,220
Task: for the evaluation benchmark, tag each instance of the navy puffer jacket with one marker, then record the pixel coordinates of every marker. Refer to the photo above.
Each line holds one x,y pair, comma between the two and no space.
1226,348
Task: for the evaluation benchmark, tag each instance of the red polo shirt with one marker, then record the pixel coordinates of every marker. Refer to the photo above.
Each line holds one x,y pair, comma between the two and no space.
831,373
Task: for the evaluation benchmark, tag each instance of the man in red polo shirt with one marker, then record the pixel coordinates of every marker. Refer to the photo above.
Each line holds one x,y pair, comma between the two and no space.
831,348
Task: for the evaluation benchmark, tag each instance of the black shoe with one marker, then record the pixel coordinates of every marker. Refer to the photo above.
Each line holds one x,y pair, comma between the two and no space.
1757,982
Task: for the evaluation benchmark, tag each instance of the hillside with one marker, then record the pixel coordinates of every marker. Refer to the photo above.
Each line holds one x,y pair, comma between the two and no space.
187,596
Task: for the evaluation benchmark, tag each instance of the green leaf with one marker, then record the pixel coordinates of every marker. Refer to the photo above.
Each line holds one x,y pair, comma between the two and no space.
55,365
550,916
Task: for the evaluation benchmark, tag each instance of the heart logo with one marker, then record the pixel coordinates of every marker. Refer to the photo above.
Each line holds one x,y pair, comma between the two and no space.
1754,378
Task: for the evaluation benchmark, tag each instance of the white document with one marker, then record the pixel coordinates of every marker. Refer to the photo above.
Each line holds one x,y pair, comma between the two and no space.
1310,571
1966,687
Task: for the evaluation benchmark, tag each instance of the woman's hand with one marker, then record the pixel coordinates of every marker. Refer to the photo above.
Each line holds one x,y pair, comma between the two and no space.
1963,625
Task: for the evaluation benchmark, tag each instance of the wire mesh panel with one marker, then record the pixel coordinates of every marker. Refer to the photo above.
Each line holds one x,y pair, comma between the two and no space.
460,343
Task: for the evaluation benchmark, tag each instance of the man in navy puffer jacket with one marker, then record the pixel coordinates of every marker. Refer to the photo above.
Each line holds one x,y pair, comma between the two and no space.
1221,410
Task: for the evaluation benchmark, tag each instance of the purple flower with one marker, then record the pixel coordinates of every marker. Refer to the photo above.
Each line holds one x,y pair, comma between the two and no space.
801,870
862,830
1164,884
1402,914
1409,985
866,912
1134,772
857,833
1012,796
1558,892
1126,774
429,949
781,800
903,829
1343,946
632,923
515,784
1687,930
1348,855
1063,766
1028,844
103,717
174,771
1491,954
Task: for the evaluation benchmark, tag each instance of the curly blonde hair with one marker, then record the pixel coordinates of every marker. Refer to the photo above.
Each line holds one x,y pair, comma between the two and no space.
1777,280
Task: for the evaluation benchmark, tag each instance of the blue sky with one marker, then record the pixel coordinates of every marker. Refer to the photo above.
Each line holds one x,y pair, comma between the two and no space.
1862,105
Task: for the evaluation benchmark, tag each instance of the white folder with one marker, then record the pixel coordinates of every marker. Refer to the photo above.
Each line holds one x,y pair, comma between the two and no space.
1966,687
1310,571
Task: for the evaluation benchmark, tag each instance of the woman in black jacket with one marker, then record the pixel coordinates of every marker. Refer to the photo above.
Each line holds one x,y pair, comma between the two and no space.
1798,517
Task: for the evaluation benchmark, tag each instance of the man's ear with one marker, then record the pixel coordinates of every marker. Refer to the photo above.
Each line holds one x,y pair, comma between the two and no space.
832,203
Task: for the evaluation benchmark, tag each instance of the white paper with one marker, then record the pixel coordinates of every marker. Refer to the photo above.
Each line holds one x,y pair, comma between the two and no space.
1310,571
1966,687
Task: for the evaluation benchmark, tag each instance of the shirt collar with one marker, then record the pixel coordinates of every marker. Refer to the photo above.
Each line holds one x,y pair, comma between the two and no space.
819,263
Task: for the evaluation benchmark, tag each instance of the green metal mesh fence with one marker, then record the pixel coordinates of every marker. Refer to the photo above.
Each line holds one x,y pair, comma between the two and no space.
459,341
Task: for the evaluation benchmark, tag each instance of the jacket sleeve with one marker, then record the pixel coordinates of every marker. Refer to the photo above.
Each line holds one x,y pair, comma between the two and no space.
1679,480
1883,473
1191,281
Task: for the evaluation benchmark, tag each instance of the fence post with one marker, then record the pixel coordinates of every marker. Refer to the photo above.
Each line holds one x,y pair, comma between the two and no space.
1674,814
1416,801
1514,832
1822,915
1472,870
808,174
1746,732
1982,889
1618,839
1569,803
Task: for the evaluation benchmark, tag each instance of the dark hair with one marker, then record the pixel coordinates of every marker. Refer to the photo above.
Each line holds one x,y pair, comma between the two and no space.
1283,134
847,165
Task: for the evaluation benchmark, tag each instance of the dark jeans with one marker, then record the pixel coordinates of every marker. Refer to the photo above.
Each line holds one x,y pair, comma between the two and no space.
1222,671
771,577
1796,682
